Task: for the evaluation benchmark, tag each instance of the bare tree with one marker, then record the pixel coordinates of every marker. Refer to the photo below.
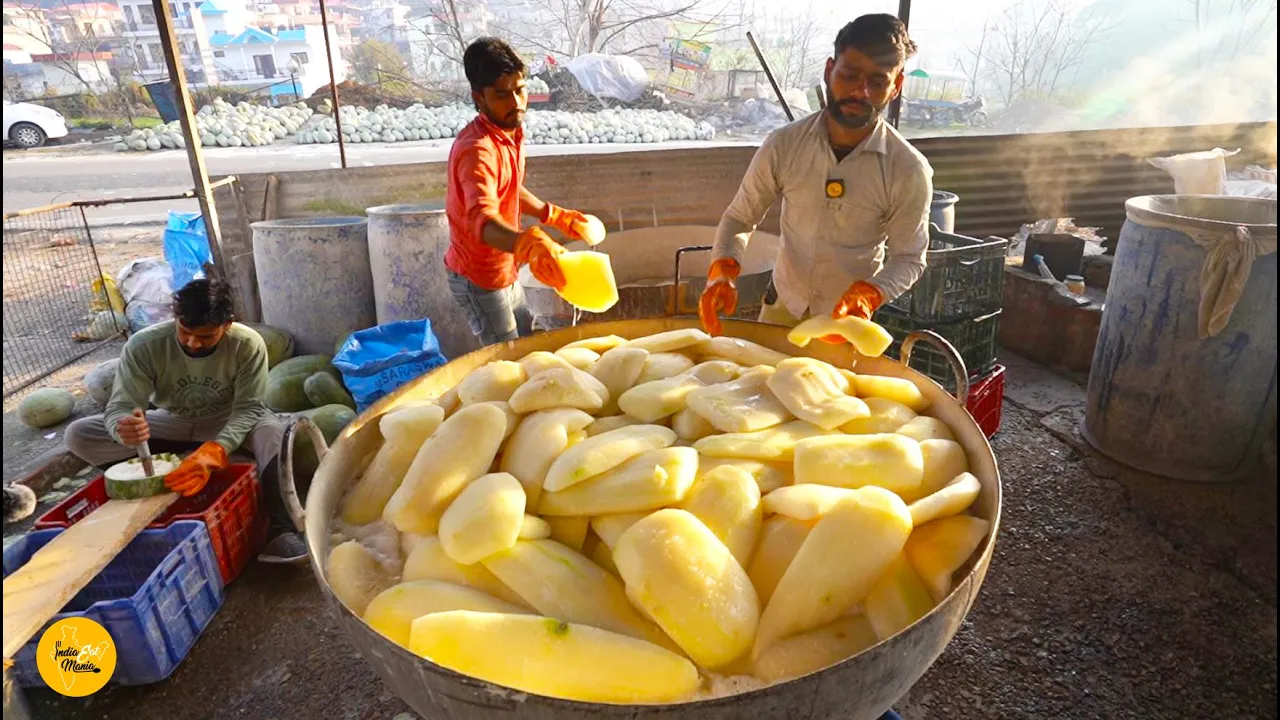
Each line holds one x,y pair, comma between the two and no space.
798,59
67,32
1227,29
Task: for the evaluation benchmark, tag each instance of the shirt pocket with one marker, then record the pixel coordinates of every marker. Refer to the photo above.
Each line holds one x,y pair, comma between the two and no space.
854,222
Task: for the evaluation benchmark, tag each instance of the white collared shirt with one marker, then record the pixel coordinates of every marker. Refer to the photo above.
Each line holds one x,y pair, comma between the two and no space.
876,229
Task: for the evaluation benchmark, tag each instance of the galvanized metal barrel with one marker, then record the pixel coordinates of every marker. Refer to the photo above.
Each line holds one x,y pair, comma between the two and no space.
1161,398
314,280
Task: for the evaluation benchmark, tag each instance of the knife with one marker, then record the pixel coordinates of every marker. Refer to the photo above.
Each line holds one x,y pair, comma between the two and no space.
144,451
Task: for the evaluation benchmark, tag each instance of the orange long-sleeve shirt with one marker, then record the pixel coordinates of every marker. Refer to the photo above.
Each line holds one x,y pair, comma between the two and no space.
486,172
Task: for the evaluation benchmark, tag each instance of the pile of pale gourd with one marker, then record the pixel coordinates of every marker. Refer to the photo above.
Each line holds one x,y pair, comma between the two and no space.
623,520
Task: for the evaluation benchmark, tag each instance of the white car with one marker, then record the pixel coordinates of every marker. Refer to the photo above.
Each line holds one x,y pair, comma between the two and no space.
30,126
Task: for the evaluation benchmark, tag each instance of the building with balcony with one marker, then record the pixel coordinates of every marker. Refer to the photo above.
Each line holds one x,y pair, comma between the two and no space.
275,62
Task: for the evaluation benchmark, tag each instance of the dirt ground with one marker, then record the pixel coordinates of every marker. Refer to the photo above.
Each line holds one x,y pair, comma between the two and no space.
1111,594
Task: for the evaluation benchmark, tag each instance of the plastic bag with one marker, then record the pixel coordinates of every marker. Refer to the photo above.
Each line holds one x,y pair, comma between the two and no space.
1197,173
612,76
376,361
147,290
186,247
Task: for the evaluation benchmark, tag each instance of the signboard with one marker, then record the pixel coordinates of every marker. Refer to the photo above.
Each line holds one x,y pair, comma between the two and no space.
688,54
681,83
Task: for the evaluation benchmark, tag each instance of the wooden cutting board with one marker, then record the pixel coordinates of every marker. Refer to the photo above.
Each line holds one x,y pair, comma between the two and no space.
59,570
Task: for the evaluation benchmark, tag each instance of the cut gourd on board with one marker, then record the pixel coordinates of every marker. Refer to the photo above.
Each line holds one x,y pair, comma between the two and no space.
890,461
688,582
943,460
867,338
727,501
129,481
742,352
952,499
742,405
612,422
806,503
581,358
534,528
886,416
551,657
811,651
655,400
662,365
898,599
485,518
690,426
459,451
670,340
940,548
558,388
610,527
825,579
780,540
540,439
403,431
816,392
776,444
393,610
355,575
428,561
926,428
562,583
618,369
599,343
541,361
648,481
604,452
495,381
768,476
570,531
589,284
899,390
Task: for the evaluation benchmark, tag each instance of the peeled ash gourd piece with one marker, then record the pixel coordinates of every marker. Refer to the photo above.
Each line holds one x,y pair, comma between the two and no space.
952,499
670,340
393,611
690,426
533,527
569,531
890,461
768,476
604,452
727,501
355,575
541,361
612,422
886,416
558,388
648,481
939,548
540,439
806,503
745,404
899,390
485,518
581,358
599,344
551,657
780,540
655,400
814,650
923,428
618,370
868,338
943,461
404,430
610,527
589,284
776,444
494,381
662,365
898,599
816,392
428,561
742,352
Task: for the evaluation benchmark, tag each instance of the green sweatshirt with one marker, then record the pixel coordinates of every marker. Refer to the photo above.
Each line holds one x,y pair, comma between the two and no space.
154,369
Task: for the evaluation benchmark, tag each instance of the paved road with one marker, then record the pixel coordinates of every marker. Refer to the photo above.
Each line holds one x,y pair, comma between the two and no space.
58,174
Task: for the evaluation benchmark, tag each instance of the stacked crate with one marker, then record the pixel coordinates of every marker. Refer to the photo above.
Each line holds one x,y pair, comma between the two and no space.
959,297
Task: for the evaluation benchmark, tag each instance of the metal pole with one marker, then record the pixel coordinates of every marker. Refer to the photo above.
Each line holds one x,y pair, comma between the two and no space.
769,74
333,83
904,14
178,76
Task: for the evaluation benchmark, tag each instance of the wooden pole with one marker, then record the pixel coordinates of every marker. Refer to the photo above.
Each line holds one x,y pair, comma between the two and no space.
199,175
333,83
769,74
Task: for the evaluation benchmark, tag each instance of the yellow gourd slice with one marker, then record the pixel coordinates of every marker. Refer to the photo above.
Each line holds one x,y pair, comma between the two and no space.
867,338
588,281
742,405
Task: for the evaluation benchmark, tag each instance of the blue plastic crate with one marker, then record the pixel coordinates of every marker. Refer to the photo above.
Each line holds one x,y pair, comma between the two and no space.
154,599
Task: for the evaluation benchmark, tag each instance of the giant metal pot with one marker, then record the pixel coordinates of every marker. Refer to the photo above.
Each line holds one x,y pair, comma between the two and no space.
860,687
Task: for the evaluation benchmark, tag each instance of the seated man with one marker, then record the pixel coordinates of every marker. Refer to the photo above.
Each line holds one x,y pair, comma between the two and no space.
207,376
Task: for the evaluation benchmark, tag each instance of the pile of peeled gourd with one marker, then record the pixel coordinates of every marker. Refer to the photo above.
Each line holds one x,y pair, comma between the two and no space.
625,520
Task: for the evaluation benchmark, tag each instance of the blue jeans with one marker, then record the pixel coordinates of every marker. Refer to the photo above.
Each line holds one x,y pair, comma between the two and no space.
494,315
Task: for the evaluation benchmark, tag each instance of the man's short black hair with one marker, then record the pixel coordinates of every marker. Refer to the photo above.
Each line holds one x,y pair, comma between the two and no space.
881,37
488,59
204,303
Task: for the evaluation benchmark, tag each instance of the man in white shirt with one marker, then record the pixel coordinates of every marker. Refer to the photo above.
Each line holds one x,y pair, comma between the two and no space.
855,194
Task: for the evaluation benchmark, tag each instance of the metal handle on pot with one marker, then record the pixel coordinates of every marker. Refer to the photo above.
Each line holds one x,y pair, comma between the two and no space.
940,344
288,487
674,308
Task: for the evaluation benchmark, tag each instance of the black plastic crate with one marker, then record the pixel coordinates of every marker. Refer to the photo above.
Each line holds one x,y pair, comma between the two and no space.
964,278
975,339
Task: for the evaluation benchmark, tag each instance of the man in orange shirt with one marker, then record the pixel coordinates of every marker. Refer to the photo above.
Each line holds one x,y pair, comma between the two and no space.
486,197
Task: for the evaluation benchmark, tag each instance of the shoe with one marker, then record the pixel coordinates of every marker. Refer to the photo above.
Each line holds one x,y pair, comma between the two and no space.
284,549
19,502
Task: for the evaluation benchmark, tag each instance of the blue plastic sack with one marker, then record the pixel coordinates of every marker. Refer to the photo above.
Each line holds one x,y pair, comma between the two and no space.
186,247
376,361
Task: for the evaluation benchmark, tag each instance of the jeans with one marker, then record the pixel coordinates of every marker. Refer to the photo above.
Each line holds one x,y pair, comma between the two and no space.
494,315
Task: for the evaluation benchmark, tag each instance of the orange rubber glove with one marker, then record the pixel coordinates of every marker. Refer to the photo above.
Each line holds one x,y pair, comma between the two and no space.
862,299
193,474
721,295
535,247
570,222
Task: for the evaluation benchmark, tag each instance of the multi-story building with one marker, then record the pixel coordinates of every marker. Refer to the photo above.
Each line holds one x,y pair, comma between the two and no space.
278,62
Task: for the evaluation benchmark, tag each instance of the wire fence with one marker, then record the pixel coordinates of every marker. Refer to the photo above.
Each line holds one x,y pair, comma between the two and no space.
50,271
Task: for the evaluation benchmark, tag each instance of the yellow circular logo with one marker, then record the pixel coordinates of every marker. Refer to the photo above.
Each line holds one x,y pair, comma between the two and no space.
76,656
835,189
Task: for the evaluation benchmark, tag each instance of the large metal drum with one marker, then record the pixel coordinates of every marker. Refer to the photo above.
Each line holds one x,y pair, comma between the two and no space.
660,271
314,279
1161,398
858,688
406,254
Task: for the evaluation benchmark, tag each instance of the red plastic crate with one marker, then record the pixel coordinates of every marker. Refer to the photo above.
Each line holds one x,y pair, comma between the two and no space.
986,398
230,506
